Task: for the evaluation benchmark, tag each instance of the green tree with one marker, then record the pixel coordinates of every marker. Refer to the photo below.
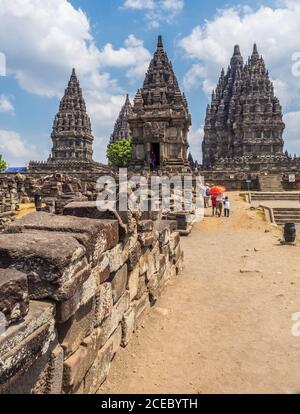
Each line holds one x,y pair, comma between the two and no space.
119,153
3,164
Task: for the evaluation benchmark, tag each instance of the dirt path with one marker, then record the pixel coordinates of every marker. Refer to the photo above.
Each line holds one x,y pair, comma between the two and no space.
217,330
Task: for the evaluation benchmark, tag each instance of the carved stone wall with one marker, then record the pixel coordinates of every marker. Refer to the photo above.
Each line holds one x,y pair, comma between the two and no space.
73,290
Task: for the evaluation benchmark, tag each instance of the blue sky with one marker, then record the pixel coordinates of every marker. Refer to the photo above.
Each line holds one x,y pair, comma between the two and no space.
110,43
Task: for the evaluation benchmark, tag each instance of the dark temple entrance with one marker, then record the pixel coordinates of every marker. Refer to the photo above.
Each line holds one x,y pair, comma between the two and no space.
155,155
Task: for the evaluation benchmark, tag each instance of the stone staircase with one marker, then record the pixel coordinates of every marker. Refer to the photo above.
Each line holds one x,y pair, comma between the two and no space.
276,196
270,183
286,215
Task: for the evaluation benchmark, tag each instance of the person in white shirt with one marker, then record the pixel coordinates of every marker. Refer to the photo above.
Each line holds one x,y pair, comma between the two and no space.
226,207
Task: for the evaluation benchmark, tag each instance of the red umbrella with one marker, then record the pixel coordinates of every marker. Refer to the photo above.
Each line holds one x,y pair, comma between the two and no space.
217,190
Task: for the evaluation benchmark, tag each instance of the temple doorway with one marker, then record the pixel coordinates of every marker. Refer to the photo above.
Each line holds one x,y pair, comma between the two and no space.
155,156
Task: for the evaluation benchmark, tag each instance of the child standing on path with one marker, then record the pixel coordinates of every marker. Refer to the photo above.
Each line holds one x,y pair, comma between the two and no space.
226,207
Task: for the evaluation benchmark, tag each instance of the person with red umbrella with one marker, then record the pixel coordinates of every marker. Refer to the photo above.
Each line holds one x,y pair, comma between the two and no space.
216,193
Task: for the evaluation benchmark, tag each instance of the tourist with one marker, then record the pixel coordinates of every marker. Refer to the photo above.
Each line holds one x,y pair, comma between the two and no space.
205,194
153,160
219,204
226,207
214,205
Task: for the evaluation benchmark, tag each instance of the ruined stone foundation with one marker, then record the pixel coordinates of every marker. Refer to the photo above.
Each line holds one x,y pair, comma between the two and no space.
72,291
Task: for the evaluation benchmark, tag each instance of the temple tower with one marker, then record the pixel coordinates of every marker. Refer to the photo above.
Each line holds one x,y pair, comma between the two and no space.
244,118
122,128
72,133
160,118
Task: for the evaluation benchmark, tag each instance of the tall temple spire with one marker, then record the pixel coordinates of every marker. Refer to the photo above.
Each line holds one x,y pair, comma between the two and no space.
122,129
160,45
72,133
246,118
160,118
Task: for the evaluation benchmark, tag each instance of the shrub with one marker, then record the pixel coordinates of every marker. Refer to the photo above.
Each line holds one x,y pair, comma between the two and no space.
119,153
3,164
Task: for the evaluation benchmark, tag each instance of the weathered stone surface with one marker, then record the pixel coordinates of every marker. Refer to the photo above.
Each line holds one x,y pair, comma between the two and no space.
162,264
147,239
153,288
22,344
142,287
128,325
55,266
145,226
111,323
133,282
144,262
76,367
72,332
153,261
14,301
119,282
117,256
142,307
104,303
43,377
85,292
174,241
97,374
96,235
135,254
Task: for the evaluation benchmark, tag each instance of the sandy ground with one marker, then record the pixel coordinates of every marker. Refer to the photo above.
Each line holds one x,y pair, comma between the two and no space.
215,329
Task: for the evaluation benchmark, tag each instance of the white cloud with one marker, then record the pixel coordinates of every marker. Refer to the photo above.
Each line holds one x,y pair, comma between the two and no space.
133,55
44,39
292,120
139,4
6,105
16,151
157,11
195,140
274,29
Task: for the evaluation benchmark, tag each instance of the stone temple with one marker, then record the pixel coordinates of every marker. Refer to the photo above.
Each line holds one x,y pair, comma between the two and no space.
160,119
244,120
122,128
72,135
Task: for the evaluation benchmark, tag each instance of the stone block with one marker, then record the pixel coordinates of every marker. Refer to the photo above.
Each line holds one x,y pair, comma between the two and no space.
43,377
55,266
111,323
72,332
128,325
24,343
77,366
119,282
145,226
96,235
142,307
14,301
134,256
104,303
65,310
162,265
142,287
174,242
133,283
116,257
147,239
144,262
97,374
